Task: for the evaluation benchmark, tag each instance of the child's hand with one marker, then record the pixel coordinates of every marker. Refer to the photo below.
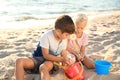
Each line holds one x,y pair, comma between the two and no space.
65,60
68,61
80,57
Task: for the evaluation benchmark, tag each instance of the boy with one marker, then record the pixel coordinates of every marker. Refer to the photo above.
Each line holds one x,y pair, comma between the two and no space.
50,46
78,45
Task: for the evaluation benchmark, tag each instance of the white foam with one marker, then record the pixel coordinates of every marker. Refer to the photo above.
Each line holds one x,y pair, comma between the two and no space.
25,24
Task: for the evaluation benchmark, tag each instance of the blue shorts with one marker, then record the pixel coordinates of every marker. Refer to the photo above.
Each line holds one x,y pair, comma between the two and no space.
37,62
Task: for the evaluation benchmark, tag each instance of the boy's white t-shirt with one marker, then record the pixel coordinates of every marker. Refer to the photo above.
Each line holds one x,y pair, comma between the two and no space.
48,41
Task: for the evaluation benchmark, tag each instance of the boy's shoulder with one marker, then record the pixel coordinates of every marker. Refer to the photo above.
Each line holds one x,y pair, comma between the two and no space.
49,32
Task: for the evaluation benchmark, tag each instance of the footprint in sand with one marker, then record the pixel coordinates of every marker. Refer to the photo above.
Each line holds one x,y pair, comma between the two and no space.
117,52
20,42
3,54
23,54
108,42
97,46
94,28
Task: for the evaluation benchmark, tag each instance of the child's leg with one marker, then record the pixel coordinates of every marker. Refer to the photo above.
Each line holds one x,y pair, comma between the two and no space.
44,70
21,64
89,63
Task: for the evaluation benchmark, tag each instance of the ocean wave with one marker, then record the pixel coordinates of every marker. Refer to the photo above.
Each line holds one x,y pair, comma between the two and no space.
10,22
45,7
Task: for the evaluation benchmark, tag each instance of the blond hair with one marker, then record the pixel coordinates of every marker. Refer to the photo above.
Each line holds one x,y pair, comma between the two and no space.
81,18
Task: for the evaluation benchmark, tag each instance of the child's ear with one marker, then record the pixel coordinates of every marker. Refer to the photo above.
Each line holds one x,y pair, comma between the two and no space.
59,31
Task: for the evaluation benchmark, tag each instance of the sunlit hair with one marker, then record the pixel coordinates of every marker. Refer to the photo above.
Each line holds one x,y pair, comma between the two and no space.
81,18
65,24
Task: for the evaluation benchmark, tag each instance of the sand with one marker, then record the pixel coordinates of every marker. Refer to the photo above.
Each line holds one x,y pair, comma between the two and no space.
103,30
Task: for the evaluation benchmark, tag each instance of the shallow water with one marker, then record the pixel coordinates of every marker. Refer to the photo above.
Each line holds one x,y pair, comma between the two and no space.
20,12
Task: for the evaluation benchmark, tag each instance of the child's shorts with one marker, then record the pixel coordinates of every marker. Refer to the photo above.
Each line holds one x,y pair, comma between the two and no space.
37,62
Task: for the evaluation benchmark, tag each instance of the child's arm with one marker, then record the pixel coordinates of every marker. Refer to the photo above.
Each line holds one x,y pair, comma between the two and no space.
82,52
64,55
69,49
48,56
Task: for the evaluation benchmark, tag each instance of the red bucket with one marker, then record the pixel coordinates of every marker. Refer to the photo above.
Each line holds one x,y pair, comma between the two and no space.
74,72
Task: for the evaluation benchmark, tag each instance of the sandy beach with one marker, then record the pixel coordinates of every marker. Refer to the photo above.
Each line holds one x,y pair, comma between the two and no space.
103,29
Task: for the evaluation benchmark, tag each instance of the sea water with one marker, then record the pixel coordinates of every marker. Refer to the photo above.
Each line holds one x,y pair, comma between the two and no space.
30,13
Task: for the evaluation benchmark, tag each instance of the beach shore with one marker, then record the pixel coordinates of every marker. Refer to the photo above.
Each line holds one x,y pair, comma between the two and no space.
103,29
